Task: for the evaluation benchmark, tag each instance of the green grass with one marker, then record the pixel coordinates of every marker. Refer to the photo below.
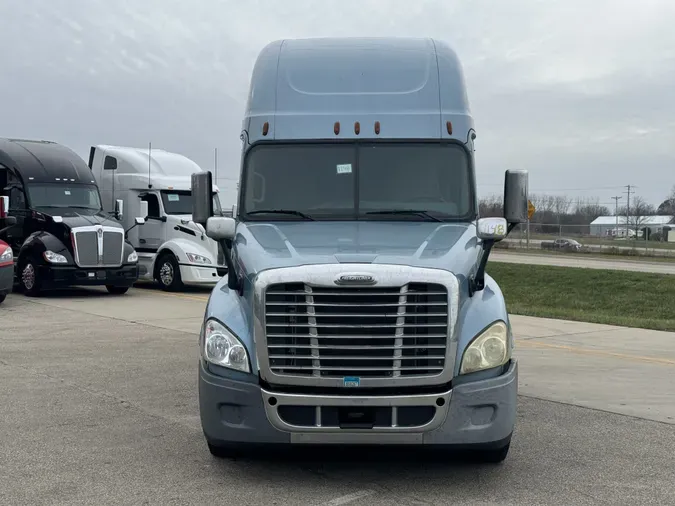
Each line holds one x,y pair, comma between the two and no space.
630,299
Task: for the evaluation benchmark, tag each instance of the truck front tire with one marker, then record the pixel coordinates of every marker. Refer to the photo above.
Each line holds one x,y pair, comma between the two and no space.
222,452
496,456
29,277
167,273
117,290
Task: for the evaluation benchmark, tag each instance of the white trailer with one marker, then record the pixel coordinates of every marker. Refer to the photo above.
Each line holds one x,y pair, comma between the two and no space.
172,249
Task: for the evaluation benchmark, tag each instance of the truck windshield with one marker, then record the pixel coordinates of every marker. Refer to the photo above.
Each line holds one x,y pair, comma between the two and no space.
402,181
180,202
54,195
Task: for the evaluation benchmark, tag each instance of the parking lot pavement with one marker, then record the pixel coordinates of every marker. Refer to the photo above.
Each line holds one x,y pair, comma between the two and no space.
99,406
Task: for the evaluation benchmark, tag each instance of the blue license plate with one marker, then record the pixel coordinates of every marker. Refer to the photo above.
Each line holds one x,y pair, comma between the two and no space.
351,381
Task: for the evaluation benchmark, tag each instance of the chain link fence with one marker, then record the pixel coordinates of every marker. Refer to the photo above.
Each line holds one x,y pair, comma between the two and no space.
592,239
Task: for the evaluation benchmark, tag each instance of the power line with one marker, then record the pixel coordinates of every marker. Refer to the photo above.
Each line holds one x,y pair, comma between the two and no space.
591,188
616,211
628,192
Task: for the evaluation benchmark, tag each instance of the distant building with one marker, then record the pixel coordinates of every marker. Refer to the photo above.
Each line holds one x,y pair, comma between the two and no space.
606,225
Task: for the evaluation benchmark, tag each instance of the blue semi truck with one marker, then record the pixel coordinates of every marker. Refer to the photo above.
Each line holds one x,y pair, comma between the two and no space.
356,309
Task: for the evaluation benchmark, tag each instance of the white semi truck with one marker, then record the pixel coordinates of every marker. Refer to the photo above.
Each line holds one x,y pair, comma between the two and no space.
172,249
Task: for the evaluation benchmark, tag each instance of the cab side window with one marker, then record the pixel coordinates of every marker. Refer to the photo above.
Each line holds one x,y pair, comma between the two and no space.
153,205
17,199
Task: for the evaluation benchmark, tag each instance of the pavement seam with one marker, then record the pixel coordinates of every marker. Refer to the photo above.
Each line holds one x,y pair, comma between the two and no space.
135,322
601,410
601,353
587,332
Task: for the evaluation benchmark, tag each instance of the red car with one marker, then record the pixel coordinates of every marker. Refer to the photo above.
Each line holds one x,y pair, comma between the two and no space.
6,270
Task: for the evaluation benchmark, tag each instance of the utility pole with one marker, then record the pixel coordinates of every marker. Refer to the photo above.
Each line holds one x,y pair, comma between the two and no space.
616,212
628,192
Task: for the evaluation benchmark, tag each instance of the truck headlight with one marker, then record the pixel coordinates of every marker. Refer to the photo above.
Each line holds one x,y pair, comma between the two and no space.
132,258
197,259
222,348
7,255
54,258
488,350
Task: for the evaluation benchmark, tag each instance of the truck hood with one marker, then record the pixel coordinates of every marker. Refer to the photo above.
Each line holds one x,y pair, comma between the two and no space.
80,217
450,246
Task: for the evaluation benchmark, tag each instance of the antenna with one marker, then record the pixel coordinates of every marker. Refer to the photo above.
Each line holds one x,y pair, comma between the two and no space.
149,162
215,166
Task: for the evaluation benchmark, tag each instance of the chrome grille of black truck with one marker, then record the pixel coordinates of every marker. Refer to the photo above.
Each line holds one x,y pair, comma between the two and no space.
97,246
364,332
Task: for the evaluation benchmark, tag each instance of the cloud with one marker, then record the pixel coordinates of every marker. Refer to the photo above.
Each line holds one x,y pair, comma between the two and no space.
569,89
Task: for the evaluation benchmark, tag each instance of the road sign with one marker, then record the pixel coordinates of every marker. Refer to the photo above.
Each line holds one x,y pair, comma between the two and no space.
530,209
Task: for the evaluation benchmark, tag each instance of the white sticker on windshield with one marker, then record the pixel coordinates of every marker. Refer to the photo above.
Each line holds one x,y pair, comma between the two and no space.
344,168
67,192
173,197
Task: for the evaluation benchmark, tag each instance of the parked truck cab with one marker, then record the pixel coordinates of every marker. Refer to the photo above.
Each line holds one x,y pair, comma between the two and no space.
172,249
356,309
61,235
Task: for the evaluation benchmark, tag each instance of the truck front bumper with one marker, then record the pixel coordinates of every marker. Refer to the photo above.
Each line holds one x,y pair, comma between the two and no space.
54,277
201,275
479,414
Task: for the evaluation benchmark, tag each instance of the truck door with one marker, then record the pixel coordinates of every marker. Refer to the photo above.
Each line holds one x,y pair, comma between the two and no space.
153,233
16,235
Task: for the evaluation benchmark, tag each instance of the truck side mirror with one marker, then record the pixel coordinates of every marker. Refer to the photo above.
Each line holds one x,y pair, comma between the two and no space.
515,196
220,228
202,197
4,206
119,209
491,229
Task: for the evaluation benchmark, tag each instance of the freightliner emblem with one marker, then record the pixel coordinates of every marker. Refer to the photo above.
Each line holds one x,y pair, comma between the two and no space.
355,279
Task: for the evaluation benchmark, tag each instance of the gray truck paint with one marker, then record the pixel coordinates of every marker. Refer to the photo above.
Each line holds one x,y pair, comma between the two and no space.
300,88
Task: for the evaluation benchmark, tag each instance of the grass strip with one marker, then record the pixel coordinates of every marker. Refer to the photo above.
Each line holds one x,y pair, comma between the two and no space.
630,299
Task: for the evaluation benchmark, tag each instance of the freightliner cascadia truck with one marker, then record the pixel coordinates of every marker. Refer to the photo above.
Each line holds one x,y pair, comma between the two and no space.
356,309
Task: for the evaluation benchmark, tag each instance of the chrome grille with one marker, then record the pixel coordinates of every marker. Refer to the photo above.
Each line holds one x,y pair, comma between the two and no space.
113,244
98,249
86,248
369,332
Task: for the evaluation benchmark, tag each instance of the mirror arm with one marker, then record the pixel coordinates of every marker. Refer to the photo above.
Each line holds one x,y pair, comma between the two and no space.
477,281
233,282
126,232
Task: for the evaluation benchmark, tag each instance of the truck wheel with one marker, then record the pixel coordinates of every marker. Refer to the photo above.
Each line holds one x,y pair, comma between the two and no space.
117,290
222,452
167,272
494,456
2,298
29,279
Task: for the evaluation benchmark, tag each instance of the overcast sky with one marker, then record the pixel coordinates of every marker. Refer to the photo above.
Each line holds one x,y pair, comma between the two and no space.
581,93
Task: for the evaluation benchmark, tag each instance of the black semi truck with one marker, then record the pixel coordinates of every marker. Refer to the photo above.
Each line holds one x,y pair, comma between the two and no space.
62,236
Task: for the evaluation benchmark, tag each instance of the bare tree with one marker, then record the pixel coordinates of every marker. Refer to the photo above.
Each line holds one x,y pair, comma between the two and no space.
491,206
667,207
561,204
640,211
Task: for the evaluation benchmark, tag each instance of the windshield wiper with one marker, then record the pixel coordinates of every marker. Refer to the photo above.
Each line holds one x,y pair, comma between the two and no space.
418,212
281,211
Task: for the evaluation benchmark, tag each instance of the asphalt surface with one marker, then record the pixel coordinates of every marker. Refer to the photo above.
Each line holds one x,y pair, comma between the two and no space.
99,406
581,260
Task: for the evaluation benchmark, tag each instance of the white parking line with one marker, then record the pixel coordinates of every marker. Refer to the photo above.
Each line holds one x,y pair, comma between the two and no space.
346,499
